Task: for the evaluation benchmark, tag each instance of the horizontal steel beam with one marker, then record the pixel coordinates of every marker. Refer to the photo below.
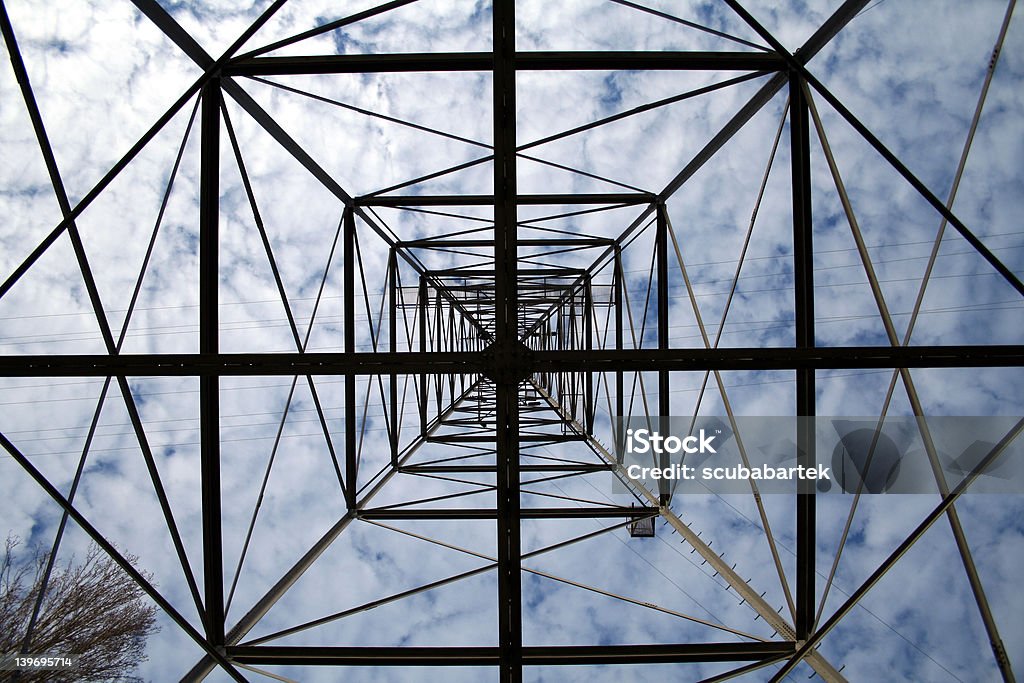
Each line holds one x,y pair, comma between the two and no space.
474,362
641,360
288,364
491,513
355,64
642,60
524,61
522,199
430,242
524,273
491,438
452,469
488,656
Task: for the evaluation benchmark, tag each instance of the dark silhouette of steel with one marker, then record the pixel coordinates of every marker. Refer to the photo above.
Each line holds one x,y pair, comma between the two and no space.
472,361
503,343
803,292
209,345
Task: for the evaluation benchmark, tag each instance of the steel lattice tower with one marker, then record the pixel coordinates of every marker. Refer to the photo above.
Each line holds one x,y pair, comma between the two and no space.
514,342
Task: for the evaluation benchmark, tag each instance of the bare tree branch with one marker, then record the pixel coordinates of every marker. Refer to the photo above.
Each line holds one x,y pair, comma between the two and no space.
90,609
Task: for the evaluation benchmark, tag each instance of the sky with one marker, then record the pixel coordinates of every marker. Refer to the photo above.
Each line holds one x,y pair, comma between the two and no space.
912,72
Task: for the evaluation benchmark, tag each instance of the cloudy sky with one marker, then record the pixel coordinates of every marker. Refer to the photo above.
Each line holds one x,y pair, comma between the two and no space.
103,73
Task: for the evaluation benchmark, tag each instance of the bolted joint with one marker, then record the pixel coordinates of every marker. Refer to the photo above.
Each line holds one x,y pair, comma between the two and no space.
508,362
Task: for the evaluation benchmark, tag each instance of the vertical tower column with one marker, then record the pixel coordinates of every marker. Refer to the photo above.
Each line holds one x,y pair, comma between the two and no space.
664,407
803,290
506,337
393,347
209,385
349,249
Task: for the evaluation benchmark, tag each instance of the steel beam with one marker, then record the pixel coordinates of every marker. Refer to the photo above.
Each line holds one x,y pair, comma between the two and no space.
491,438
803,306
664,395
596,512
821,358
209,385
440,242
546,655
451,469
620,385
487,61
395,433
625,198
506,312
349,295
470,362
649,61
589,405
